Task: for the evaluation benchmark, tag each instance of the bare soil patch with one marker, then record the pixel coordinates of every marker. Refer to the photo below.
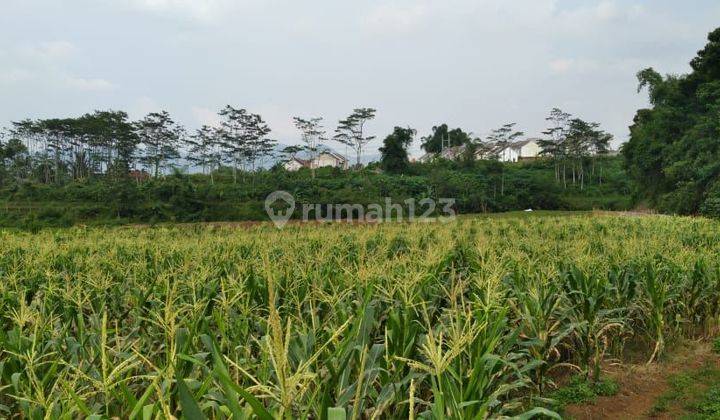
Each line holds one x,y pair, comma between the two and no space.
642,385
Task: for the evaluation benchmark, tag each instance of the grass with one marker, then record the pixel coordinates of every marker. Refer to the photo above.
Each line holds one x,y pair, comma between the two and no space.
579,390
709,406
467,319
692,395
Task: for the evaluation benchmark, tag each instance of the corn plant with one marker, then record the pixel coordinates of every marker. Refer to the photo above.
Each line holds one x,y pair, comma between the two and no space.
466,319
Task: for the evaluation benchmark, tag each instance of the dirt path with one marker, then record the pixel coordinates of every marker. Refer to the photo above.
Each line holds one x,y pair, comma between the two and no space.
641,386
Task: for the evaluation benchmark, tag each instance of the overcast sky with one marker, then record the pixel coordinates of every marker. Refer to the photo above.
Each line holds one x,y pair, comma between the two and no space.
473,64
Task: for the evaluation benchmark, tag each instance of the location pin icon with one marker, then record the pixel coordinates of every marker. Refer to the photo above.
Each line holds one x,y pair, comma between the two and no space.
280,217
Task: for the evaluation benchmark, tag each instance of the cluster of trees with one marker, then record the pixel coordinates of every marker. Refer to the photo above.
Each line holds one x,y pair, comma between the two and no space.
349,132
108,145
394,156
52,150
571,143
574,143
674,149
442,136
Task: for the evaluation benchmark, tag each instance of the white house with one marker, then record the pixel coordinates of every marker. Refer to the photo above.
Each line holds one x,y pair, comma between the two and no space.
295,163
521,150
324,159
329,158
513,152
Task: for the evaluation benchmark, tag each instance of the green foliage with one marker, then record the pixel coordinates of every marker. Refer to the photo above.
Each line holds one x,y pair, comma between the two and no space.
434,142
394,151
606,387
218,197
716,345
693,394
709,406
351,132
673,151
447,320
336,413
579,390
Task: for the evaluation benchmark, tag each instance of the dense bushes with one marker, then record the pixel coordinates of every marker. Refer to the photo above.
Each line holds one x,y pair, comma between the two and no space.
477,187
673,151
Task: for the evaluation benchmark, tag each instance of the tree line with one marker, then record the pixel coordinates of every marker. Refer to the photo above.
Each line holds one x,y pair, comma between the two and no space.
82,170
108,144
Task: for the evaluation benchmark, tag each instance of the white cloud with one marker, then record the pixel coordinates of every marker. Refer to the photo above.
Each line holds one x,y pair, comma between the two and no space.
393,17
49,51
602,12
200,10
206,116
609,9
13,76
561,65
581,65
84,84
451,15
621,66
45,64
279,119
606,10
143,106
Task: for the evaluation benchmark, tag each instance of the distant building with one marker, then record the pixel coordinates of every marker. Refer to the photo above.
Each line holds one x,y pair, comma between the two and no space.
427,157
513,152
521,150
322,160
329,158
449,153
139,175
296,163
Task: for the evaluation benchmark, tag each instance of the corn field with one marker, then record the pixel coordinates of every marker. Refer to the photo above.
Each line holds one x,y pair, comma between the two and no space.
475,318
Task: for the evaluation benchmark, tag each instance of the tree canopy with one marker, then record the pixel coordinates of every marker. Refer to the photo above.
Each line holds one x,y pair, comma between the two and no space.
674,149
394,150
433,143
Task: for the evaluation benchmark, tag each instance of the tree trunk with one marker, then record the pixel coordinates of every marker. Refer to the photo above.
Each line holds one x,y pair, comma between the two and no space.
502,183
313,159
57,166
235,171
